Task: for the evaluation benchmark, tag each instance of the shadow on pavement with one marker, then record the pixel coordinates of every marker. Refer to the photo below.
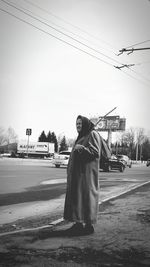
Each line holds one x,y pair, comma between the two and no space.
51,233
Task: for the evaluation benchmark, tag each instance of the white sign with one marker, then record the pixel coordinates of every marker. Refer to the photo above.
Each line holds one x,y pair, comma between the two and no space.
35,147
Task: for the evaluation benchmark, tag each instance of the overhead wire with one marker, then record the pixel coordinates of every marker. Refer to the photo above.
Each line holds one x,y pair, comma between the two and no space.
140,75
128,74
144,62
49,13
137,44
72,25
59,18
61,32
61,27
60,39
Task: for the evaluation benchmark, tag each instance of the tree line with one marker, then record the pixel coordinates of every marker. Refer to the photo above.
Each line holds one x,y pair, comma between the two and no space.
133,142
51,138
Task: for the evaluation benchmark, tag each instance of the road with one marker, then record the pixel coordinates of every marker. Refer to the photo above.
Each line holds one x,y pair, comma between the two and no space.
19,175
36,187
23,180
24,176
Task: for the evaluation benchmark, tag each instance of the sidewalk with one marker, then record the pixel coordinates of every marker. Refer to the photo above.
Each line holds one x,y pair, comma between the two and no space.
121,237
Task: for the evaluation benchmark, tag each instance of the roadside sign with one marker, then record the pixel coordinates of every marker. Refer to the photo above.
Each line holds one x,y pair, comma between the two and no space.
113,123
28,131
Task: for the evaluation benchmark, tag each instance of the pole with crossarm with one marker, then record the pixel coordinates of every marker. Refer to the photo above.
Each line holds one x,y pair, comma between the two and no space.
101,118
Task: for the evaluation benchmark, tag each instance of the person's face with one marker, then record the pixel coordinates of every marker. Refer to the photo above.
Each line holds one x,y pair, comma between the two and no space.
79,125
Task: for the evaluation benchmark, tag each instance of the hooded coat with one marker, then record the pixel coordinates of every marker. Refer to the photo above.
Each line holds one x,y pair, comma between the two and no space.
81,202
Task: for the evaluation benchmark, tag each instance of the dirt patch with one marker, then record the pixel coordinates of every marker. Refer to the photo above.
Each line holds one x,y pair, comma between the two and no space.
72,256
144,216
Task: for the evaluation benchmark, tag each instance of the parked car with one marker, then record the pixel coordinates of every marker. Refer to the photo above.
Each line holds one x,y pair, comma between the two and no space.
113,164
126,160
148,163
61,159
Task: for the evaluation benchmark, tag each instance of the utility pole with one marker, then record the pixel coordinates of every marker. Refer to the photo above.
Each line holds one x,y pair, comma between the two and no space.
101,118
137,146
141,152
109,138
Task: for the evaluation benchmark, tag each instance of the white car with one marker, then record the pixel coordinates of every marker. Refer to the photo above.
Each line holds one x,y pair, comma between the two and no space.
61,159
126,159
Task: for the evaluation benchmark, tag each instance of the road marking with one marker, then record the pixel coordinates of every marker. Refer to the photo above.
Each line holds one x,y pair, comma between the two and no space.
54,223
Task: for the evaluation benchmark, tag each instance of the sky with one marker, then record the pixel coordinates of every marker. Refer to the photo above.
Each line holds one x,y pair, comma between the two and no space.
58,59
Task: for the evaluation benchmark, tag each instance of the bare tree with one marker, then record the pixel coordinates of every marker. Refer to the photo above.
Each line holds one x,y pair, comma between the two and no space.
129,140
133,143
7,137
70,142
140,137
11,135
2,135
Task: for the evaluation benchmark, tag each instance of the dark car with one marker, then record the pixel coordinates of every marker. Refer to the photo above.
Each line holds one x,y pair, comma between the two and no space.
148,163
112,164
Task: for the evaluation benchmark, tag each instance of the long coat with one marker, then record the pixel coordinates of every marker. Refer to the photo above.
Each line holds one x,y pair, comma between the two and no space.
81,203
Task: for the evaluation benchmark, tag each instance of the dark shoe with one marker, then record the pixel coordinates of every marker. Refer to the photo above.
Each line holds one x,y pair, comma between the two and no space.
76,229
88,229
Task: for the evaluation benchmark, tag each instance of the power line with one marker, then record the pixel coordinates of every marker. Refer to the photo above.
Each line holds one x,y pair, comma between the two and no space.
138,43
60,39
78,28
66,30
134,77
66,35
63,28
139,74
131,65
128,67
144,62
55,37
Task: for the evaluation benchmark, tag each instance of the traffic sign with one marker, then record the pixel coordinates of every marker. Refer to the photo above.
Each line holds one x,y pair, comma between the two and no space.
28,131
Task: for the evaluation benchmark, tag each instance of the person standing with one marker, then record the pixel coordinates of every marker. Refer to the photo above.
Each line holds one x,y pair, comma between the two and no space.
81,202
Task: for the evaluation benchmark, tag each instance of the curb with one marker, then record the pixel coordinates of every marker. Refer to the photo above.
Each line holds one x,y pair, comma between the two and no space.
54,223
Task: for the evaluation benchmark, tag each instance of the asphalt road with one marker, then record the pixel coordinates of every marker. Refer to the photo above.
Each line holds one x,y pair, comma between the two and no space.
23,180
17,175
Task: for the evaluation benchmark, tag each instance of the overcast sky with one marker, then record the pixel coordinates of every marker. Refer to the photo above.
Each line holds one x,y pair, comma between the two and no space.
48,78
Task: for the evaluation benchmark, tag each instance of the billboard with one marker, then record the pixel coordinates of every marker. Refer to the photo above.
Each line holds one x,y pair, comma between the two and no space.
113,123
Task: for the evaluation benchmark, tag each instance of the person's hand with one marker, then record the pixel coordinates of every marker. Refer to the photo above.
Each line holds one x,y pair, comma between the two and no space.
79,148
